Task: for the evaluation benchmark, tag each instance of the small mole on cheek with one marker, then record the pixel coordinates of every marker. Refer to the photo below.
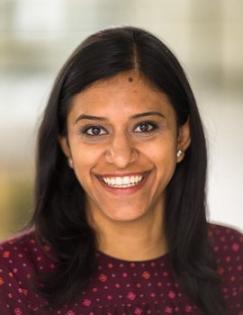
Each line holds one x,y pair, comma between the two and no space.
130,79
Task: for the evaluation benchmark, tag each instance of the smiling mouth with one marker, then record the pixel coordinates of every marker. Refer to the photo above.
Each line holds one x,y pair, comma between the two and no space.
123,182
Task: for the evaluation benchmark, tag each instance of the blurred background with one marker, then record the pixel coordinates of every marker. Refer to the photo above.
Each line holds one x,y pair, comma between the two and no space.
37,36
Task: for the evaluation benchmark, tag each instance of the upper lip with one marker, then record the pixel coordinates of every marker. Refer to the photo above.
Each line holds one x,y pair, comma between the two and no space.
124,174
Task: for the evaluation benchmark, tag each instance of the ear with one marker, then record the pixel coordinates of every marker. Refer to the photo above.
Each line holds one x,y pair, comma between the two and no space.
63,141
183,139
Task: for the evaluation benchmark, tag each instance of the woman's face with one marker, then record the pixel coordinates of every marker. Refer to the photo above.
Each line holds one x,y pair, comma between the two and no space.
130,134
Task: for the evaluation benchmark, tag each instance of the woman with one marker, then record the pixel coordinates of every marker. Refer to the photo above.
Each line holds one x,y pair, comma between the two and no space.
119,225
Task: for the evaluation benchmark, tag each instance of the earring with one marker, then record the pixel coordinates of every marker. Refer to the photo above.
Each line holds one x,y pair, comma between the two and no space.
70,162
179,153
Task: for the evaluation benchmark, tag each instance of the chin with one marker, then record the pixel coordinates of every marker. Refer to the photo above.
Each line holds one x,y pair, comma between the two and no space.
125,217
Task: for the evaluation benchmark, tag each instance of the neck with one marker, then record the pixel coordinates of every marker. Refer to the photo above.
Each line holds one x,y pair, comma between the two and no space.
141,239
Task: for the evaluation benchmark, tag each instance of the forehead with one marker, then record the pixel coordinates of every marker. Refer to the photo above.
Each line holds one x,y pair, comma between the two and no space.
127,92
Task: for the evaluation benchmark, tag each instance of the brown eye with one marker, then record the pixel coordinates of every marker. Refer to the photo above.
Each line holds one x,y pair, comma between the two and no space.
92,131
147,126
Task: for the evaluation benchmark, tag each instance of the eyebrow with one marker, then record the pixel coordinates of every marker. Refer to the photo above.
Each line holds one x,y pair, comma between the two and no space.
84,116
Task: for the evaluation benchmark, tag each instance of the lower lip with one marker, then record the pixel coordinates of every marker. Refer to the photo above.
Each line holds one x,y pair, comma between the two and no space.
127,190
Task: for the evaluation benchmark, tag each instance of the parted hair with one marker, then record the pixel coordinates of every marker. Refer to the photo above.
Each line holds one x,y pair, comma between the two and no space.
59,216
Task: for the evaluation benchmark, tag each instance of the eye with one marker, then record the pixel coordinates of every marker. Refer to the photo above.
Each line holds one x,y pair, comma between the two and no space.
147,126
92,131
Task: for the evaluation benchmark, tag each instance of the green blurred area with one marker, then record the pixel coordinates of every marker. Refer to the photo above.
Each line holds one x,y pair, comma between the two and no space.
16,202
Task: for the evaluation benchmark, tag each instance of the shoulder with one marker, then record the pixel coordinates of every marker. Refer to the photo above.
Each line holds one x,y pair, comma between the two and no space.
22,259
20,239
24,251
227,246
17,247
225,238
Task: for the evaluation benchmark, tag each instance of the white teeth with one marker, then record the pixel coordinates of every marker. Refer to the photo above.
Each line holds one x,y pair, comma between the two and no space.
125,181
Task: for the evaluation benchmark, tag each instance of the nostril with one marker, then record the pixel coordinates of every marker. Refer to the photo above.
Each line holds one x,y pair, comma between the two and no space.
120,159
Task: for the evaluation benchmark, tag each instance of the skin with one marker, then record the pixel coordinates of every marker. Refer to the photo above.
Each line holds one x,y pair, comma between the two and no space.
128,227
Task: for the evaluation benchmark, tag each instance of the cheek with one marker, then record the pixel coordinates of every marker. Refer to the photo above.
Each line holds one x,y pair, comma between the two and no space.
162,154
85,159
161,150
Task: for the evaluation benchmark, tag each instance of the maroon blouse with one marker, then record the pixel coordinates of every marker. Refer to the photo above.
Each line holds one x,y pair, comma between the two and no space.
121,287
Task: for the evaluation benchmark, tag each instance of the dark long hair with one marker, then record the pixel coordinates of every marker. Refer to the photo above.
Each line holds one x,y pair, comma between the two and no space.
59,217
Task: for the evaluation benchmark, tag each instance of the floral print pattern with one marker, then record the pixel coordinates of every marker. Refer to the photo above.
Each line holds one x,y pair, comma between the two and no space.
121,287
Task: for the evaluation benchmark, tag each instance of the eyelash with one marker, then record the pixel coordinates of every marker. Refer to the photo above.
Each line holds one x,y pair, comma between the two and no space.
85,129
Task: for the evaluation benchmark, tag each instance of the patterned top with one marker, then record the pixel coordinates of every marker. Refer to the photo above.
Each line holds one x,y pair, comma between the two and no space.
121,287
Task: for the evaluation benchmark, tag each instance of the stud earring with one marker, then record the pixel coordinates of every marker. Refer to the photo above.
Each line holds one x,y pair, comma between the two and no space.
70,162
179,153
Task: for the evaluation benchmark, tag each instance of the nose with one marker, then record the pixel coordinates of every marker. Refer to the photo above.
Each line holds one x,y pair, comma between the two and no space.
121,151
